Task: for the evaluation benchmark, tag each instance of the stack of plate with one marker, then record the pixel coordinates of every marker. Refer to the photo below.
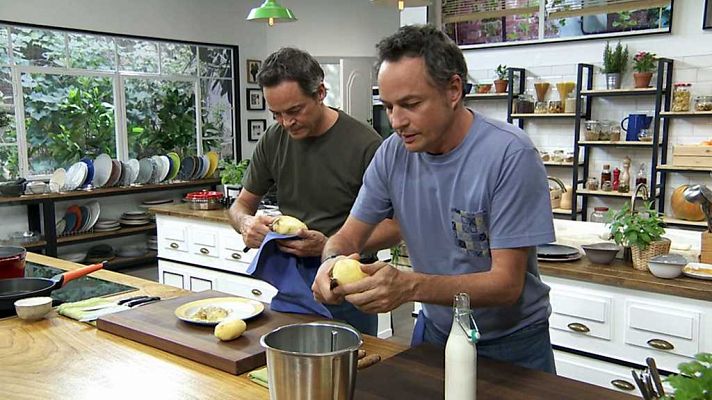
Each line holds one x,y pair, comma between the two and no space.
131,251
135,218
557,253
107,225
151,203
152,243
79,219
99,253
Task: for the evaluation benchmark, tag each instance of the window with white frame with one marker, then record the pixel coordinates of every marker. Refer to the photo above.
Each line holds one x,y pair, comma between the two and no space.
65,95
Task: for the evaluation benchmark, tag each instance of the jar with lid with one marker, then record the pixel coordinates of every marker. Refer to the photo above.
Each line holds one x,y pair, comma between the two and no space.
681,97
599,214
605,130
555,107
592,130
524,104
592,183
703,103
541,107
558,156
606,174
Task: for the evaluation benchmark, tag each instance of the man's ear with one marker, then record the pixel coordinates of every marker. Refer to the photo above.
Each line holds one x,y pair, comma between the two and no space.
454,90
321,92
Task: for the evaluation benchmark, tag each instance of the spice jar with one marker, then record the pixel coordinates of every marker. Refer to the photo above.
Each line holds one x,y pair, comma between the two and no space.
599,214
703,103
555,107
681,97
592,183
541,108
607,186
592,130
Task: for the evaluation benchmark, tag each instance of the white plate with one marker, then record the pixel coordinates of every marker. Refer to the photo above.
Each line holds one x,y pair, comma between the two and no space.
561,259
145,171
95,209
102,170
157,169
698,271
165,167
56,182
76,175
135,166
60,225
237,307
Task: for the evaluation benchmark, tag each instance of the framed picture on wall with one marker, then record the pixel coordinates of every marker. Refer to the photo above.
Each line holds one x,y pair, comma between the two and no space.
255,99
707,18
255,129
253,67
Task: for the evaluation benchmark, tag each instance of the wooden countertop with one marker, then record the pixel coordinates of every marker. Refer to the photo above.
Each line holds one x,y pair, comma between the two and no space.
182,210
59,358
620,274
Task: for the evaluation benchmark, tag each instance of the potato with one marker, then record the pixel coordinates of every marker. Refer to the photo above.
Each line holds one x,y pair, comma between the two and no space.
287,225
230,329
347,270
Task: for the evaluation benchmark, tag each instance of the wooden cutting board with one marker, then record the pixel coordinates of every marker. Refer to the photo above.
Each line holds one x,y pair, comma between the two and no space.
157,326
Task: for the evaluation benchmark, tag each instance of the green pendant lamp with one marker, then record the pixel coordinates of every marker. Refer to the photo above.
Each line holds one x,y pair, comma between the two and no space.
271,12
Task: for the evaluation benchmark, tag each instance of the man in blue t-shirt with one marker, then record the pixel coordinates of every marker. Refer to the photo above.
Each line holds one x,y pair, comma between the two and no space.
472,200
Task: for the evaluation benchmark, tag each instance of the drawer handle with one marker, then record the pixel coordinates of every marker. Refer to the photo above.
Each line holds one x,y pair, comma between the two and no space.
174,245
622,384
660,344
257,292
203,250
578,327
236,256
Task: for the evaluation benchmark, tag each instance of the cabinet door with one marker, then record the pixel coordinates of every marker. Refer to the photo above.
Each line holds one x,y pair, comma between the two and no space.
171,274
245,287
600,373
584,314
201,283
661,328
172,237
232,248
203,242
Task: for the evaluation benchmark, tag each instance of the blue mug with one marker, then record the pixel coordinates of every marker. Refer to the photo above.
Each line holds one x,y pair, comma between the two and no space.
636,122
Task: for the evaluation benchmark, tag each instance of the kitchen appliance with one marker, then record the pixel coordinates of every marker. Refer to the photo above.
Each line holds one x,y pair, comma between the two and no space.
325,353
204,200
636,122
12,262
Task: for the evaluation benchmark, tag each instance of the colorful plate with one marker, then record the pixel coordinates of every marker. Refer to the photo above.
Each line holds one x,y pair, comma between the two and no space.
237,307
214,158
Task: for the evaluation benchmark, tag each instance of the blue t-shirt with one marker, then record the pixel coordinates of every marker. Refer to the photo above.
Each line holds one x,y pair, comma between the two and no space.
490,192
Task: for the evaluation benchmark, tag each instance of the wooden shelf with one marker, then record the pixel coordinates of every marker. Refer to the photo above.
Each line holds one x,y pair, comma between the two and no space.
561,211
486,96
91,236
686,114
547,115
587,192
675,221
619,92
560,164
665,167
620,143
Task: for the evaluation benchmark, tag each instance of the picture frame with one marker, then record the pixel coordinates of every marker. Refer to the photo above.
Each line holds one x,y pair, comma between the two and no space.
253,67
707,15
255,99
255,129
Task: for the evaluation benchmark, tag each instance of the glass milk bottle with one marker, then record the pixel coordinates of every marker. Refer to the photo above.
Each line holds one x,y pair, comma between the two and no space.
461,353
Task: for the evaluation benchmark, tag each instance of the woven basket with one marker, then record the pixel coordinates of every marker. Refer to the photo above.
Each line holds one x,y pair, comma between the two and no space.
641,257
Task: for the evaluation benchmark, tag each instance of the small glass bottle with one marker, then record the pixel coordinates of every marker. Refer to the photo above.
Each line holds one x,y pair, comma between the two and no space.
599,214
641,178
461,352
681,97
606,173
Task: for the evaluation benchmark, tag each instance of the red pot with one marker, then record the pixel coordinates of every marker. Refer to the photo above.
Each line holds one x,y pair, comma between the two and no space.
12,262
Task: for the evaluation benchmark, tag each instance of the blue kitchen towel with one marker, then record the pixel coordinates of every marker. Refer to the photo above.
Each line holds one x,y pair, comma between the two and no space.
291,275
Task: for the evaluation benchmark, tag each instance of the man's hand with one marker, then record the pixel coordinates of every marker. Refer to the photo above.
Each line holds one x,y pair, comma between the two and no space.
322,282
254,229
309,244
383,290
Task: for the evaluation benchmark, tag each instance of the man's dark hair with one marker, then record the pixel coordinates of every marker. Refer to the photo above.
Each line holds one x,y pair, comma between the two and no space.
442,57
290,64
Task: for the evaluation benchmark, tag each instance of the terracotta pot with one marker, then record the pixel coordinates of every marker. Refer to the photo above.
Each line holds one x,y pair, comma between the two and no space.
500,85
642,79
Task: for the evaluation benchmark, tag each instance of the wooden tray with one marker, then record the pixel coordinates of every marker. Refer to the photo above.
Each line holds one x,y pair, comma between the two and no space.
156,325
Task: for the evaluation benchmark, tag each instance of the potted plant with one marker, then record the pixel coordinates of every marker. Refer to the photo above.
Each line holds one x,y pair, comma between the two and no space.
231,176
694,380
614,64
641,231
644,65
500,84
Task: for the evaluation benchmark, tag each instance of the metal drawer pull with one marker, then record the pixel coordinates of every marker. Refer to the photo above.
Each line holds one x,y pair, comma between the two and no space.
622,384
257,292
578,327
174,245
236,256
203,250
660,344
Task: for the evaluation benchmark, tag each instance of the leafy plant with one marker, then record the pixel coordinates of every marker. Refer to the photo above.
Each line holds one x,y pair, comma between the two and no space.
695,379
637,229
614,61
232,173
502,72
644,61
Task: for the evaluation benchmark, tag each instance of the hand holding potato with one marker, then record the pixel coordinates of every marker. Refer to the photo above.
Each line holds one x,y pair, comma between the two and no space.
254,229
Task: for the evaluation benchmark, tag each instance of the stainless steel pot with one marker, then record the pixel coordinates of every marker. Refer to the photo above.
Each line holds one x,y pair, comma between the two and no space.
312,361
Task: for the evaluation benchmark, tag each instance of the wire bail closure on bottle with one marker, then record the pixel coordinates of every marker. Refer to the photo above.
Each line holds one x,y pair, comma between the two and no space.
473,334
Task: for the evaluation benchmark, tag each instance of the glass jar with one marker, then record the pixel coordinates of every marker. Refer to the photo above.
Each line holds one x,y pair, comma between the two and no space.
592,183
605,174
558,156
607,186
615,131
604,132
555,107
703,103
599,214
645,135
681,97
592,131
524,104
541,108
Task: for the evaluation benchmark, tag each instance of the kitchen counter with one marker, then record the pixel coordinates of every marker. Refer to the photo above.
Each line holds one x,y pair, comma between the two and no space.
182,210
59,358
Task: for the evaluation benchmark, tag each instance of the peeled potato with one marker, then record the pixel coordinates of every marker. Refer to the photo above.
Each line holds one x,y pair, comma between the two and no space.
230,329
287,225
347,270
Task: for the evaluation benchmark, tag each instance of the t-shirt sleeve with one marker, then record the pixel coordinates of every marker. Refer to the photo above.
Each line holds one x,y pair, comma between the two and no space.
258,178
520,211
373,203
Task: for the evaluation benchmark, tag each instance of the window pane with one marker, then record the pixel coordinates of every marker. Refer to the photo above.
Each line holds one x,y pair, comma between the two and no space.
215,62
9,168
91,52
67,118
223,148
160,117
6,86
137,55
38,47
4,45
178,59
332,80
522,27
217,110
8,130
216,93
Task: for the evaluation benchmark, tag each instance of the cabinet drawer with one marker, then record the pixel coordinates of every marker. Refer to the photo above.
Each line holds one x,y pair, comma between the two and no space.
581,313
198,284
246,287
232,247
172,279
204,243
667,329
600,373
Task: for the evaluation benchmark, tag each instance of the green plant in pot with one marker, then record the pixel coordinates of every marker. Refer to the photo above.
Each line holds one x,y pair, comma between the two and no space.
615,61
642,231
500,84
231,175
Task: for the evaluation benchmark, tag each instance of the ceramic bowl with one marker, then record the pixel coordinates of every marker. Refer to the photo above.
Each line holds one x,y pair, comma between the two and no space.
33,308
667,266
601,253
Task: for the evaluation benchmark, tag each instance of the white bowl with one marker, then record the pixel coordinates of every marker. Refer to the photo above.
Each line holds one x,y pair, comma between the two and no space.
33,308
667,266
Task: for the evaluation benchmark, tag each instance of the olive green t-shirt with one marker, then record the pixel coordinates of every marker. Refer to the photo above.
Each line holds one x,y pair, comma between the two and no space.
317,179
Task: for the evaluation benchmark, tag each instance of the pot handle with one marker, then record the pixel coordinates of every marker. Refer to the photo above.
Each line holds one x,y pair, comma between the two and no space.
79,272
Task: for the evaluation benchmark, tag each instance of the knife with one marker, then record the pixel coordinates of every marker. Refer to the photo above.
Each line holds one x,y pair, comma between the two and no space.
130,303
656,375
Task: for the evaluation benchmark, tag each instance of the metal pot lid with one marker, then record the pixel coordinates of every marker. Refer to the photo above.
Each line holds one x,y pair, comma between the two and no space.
11,251
204,195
